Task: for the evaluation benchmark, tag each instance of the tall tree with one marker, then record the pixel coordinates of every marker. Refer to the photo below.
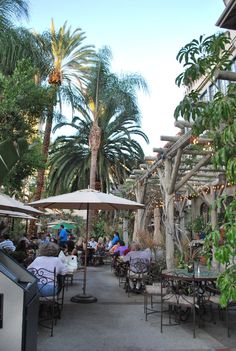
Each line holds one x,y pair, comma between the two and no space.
118,153
109,94
70,62
204,58
11,10
18,43
22,105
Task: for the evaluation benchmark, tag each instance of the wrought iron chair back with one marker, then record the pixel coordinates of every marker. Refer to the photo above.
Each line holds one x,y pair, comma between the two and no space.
137,272
49,310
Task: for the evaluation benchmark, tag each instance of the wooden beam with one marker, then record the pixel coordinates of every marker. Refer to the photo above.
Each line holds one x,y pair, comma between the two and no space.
175,171
225,75
203,181
203,170
173,139
201,163
183,124
181,143
202,175
184,141
169,138
160,150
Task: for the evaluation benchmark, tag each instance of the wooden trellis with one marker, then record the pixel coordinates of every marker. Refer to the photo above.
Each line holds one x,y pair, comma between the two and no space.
184,164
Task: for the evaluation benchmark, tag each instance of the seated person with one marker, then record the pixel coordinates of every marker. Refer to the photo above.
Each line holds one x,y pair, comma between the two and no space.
114,248
100,248
114,241
136,268
48,259
70,248
107,243
121,248
92,243
99,252
20,253
136,253
126,251
69,256
6,244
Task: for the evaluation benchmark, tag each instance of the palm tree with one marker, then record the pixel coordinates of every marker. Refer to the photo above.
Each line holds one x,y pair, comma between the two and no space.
109,95
115,122
11,10
17,44
119,152
70,63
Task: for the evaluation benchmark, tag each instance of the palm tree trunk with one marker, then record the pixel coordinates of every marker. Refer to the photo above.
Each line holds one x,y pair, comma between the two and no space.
41,172
94,143
46,144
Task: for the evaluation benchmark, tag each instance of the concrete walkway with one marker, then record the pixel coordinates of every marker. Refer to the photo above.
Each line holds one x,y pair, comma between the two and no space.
116,322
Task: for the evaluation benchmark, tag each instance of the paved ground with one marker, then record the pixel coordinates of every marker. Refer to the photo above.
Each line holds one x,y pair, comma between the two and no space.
116,322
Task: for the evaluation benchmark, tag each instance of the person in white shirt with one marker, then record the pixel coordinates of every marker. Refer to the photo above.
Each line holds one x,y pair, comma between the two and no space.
7,244
92,243
48,259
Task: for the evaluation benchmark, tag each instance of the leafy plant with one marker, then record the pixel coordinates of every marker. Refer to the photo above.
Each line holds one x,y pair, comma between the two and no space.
202,58
10,152
98,228
197,224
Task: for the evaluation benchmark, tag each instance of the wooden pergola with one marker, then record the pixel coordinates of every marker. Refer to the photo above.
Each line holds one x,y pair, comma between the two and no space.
183,166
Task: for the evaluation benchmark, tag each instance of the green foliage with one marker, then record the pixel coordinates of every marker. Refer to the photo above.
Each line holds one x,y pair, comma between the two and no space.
23,103
227,284
10,152
98,229
201,58
118,118
197,224
26,166
11,10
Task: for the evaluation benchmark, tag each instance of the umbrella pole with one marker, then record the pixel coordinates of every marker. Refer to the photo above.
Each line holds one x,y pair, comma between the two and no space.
86,252
85,298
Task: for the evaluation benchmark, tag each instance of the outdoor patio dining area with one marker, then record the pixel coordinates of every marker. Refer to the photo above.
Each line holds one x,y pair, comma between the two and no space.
117,321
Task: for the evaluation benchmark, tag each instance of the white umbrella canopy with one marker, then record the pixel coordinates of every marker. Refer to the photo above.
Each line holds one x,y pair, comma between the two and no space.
15,214
8,203
87,199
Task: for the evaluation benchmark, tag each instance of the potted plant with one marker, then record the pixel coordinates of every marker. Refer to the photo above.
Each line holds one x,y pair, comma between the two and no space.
197,227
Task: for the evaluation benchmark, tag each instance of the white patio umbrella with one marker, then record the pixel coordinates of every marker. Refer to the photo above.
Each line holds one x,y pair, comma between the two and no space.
15,214
88,199
8,203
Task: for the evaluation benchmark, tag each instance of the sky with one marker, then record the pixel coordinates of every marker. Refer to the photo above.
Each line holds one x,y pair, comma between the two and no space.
144,37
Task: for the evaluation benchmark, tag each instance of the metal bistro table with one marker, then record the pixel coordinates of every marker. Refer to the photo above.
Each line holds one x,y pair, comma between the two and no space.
202,275
201,281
